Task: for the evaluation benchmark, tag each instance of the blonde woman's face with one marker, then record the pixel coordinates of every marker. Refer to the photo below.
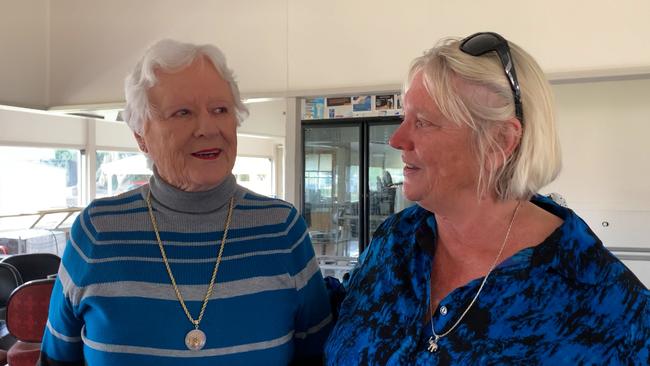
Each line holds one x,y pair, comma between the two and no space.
439,165
192,135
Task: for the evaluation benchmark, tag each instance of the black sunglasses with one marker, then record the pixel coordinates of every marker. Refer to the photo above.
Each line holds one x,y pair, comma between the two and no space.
481,43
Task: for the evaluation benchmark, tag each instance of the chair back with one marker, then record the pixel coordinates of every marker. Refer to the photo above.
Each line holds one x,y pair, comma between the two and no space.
34,266
27,310
10,279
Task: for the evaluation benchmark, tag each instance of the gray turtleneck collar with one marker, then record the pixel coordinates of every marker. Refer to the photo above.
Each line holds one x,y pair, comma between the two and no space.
192,202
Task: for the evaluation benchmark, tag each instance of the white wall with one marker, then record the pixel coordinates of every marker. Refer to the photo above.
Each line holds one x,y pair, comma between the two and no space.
95,43
604,127
24,52
267,118
114,135
256,146
604,131
289,46
336,44
26,127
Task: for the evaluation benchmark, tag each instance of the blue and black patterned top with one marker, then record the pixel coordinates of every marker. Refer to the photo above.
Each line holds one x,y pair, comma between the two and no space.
566,301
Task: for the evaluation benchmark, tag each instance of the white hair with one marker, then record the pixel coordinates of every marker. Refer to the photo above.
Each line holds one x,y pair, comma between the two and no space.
474,91
169,55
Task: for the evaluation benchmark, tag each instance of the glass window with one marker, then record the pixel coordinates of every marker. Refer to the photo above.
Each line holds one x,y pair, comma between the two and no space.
38,178
120,171
255,174
318,174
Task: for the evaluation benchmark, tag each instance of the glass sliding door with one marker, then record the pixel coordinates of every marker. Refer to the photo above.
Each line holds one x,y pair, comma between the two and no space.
351,183
385,177
332,190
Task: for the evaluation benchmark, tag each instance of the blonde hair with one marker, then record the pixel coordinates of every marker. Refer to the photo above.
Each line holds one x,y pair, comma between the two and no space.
475,91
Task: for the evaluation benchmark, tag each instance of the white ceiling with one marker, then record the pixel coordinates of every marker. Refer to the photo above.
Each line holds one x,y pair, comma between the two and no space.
69,52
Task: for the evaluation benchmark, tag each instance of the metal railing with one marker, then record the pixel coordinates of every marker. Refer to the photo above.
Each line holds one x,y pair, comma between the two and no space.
69,211
631,253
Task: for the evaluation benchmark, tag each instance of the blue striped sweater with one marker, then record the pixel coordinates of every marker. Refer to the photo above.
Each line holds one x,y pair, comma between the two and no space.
113,302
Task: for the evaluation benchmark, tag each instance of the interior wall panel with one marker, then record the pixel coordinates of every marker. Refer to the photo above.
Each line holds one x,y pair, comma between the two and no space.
96,43
24,52
604,129
287,46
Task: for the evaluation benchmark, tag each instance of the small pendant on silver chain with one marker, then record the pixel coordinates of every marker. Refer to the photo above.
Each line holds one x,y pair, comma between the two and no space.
433,344
433,340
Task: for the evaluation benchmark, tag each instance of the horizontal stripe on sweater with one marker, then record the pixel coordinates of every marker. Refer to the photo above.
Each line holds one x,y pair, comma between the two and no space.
164,291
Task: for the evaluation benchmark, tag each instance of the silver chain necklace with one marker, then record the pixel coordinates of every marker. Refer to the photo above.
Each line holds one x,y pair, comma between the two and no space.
433,340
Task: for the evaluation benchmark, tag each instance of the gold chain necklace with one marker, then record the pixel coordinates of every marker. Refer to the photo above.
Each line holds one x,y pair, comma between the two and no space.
433,340
195,338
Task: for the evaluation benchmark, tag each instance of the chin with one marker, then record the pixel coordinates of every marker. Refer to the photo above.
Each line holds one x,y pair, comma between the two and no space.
410,192
412,197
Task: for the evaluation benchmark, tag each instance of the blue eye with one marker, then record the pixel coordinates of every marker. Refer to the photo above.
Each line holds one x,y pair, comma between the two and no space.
182,113
419,123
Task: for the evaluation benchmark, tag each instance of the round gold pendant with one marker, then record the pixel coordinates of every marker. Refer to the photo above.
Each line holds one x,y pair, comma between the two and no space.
195,339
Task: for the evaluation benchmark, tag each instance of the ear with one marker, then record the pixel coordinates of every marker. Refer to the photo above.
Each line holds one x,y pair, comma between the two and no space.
141,143
508,138
509,135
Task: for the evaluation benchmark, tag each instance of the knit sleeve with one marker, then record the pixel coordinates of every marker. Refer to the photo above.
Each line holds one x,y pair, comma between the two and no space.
62,344
313,319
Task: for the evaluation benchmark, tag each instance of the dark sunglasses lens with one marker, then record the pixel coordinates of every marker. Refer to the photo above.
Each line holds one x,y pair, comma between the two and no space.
480,43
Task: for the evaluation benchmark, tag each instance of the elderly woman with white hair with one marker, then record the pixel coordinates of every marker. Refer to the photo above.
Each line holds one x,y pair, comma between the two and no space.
192,268
484,271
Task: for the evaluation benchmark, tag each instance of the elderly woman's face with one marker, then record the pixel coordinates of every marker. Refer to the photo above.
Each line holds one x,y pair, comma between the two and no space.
439,165
192,135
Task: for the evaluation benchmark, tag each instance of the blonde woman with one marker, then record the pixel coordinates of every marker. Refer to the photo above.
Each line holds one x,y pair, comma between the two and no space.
484,271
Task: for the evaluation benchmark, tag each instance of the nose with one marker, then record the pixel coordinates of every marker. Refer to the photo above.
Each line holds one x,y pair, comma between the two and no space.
400,139
206,124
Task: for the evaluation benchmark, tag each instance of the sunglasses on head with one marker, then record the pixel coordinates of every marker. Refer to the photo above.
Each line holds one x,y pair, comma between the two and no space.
481,43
